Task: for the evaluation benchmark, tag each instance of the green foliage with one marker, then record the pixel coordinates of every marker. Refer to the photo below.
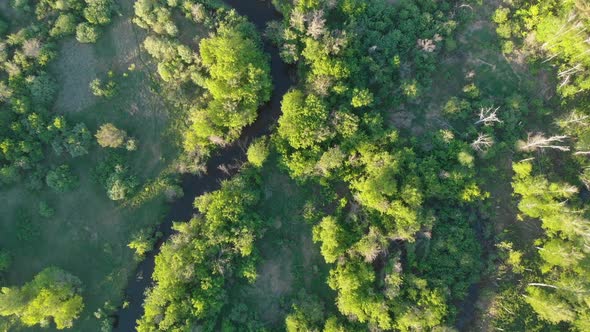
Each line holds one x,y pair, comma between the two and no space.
209,251
451,259
77,141
361,98
27,229
45,210
358,59
563,258
27,92
61,179
98,12
307,315
107,90
258,152
238,80
142,242
118,180
64,25
53,295
110,136
303,123
5,260
333,238
88,33
558,27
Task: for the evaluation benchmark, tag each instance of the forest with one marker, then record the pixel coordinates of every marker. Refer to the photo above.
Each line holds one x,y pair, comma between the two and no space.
295,165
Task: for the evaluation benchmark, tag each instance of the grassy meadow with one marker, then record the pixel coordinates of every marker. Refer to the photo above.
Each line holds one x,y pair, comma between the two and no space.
89,233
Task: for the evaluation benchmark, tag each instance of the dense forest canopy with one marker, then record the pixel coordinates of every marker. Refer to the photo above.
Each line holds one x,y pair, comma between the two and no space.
429,170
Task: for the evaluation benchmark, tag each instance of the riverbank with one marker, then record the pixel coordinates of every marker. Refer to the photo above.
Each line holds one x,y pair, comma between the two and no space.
232,156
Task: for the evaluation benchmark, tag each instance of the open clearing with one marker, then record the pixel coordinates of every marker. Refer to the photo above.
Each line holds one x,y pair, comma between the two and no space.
88,234
290,261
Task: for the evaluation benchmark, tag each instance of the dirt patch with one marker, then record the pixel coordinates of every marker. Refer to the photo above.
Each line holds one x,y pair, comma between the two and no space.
402,120
275,281
276,277
311,255
125,42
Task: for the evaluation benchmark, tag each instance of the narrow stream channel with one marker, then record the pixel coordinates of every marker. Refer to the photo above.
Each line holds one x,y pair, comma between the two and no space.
259,13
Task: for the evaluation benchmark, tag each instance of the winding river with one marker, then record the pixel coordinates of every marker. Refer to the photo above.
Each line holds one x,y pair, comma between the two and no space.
259,13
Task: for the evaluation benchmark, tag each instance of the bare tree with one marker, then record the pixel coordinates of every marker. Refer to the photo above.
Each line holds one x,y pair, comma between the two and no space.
335,41
488,115
217,140
566,75
483,142
575,118
539,141
5,92
321,84
426,45
32,48
198,12
298,20
317,24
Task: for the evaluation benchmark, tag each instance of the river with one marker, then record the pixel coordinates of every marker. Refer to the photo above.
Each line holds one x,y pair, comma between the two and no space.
259,13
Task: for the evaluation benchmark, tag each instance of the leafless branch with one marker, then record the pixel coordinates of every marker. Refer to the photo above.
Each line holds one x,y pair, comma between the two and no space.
488,115
539,141
482,143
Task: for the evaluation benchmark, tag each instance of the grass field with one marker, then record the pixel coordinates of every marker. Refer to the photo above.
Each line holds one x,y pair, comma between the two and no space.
290,261
88,234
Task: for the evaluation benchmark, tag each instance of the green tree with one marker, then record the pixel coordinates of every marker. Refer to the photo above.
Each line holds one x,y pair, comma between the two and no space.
142,242
86,33
110,136
63,26
304,120
361,98
258,151
53,295
333,238
238,80
61,179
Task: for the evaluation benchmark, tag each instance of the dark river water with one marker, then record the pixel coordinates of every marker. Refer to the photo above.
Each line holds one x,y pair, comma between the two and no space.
259,13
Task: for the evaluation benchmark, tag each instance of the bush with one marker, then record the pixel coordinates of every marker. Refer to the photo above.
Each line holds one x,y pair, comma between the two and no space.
45,210
26,228
98,11
258,152
110,136
142,242
5,260
61,179
107,90
64,25
86,33
3,27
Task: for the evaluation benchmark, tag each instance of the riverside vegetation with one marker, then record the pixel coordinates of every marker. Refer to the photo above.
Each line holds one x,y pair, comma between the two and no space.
429,170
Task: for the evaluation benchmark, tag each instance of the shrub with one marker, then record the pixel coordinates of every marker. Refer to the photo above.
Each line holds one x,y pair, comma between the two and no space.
86,33
45,210
61,179
110,136
258,152
63,26
5,260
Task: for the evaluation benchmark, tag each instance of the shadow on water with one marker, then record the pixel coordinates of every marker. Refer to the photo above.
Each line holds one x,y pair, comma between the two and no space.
259,13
